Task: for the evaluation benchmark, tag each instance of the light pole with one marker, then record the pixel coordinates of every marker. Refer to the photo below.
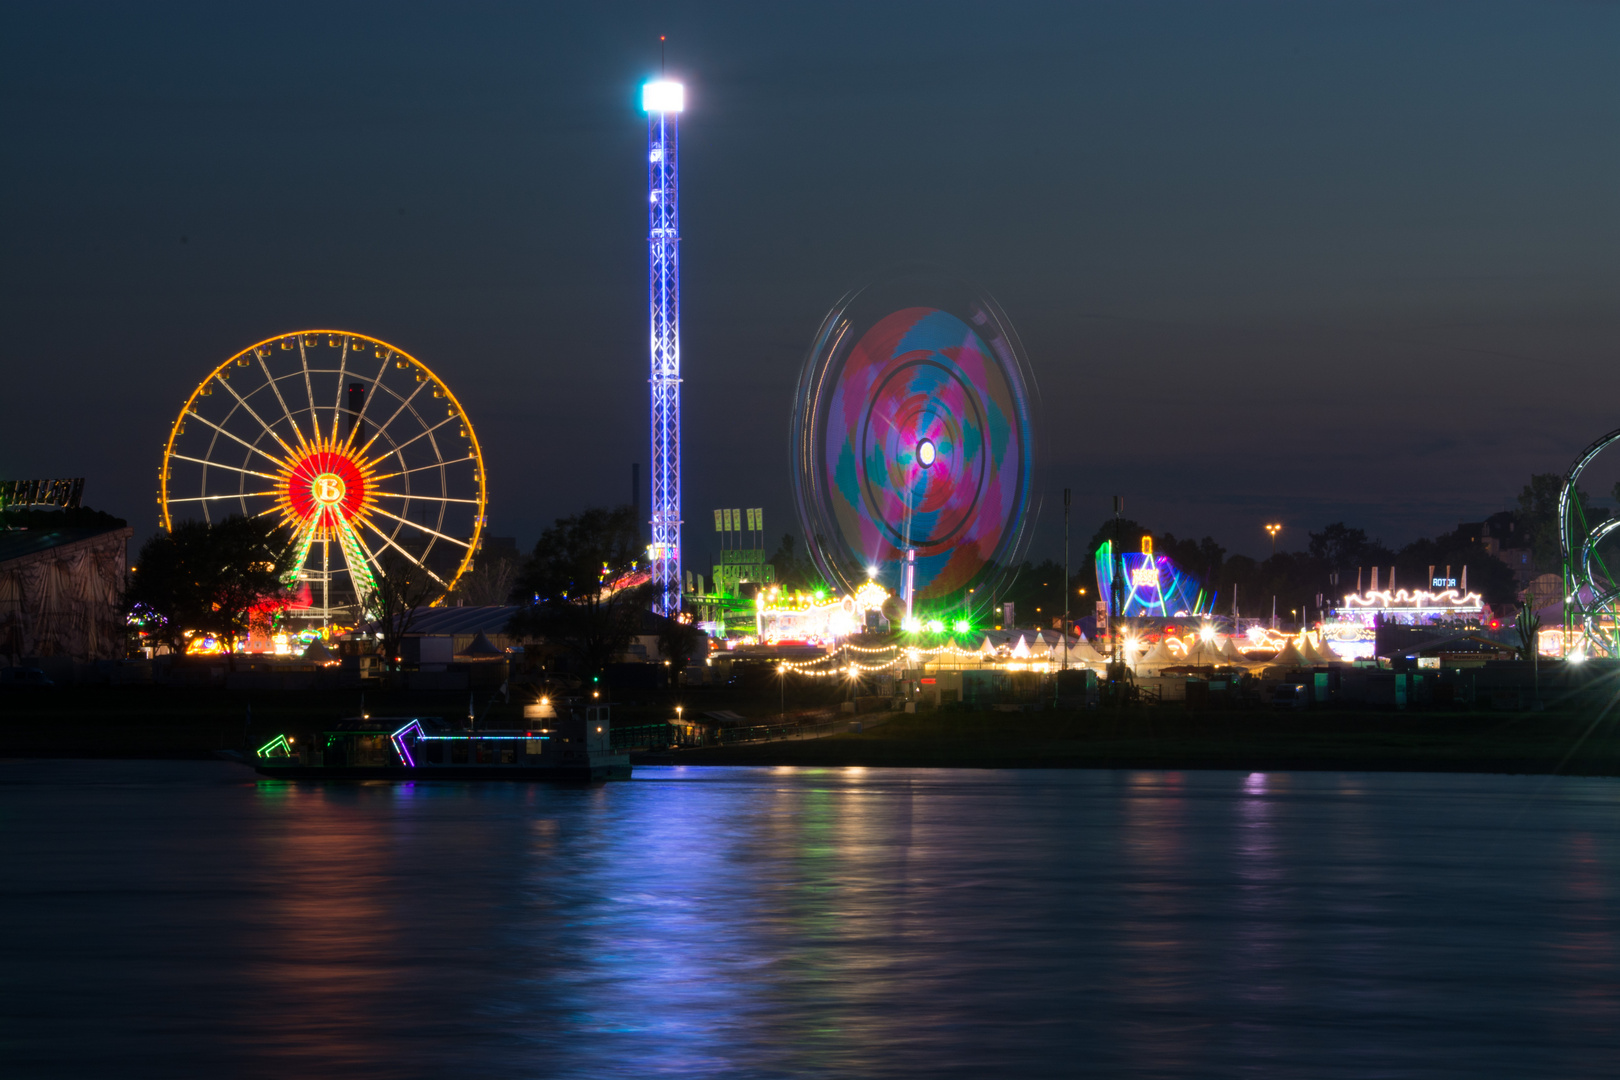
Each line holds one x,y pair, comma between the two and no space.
1065,579
1272,531
1116,612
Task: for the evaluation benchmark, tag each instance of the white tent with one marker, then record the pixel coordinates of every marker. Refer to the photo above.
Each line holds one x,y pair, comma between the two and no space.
1158,658
1086,653
1315,654
1020,651
1206,654
987,650
1289,657
1332,654
1078,648
1229,649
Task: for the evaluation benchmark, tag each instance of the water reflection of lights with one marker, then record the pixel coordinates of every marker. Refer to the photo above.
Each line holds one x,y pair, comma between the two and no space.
825,922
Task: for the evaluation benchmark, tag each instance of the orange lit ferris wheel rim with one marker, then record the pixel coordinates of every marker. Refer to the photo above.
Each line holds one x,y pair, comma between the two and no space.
351,487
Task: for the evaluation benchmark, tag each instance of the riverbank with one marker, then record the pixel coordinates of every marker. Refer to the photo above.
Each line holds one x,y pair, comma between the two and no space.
157,722
1172,738
170,722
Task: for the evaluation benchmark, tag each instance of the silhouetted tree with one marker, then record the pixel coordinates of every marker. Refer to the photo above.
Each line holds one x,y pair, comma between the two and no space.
584,587
1487,575
402,587
1538,519
1130,534
1341,548
795,569
200,579
681,641
488,583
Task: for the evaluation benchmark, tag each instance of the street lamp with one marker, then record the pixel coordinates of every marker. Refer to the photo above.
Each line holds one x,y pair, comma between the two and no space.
1272,531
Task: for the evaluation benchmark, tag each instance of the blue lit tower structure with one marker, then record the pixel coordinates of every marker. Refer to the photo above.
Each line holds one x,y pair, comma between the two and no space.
664,102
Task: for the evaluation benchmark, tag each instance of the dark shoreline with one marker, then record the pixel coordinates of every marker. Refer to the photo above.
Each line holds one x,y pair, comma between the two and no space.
1174,739
157,723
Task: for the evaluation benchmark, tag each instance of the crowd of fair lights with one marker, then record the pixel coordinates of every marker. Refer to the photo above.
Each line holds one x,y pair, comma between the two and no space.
1020,657
280,643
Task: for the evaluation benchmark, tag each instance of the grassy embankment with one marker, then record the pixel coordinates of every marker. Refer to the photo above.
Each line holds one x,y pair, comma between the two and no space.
169,722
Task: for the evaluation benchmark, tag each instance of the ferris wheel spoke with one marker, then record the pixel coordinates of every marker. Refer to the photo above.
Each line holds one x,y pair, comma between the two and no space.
365,403
423,528
400,446
389,540
309,390
232,435
403,405
231,495
356,559
408,497
242,401
303,540
342,377
275,388
422,468
228,468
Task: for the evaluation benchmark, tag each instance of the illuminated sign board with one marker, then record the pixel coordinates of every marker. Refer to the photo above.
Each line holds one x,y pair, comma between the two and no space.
64,493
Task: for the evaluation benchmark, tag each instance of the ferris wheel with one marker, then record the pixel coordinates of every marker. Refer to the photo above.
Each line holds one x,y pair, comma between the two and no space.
353,444
914,439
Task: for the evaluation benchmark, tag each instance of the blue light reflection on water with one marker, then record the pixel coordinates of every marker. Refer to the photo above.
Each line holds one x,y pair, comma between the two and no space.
167,919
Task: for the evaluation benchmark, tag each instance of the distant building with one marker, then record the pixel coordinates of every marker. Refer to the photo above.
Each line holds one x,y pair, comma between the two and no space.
1500,535
61,594
461,628
742,554
463,625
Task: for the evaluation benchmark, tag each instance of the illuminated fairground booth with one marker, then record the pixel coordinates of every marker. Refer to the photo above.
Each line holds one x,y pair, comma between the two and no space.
1151,586
1352,631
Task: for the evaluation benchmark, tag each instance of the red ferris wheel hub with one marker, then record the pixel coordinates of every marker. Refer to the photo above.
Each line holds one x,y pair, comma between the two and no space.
326,482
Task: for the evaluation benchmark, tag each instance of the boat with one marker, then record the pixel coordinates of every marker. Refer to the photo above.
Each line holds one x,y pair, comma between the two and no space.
570,742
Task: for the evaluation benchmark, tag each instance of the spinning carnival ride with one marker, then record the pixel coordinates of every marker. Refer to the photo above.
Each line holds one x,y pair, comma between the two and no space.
351,443
914,442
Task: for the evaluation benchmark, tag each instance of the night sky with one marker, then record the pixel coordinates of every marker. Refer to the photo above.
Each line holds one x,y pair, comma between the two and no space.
1295,262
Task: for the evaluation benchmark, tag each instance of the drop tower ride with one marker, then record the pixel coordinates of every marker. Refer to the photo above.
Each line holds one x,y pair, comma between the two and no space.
664,101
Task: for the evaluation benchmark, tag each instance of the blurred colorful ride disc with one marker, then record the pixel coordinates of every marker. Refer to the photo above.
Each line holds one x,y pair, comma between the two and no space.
914,426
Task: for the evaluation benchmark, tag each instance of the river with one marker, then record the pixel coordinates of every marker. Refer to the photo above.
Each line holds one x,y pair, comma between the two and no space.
171,919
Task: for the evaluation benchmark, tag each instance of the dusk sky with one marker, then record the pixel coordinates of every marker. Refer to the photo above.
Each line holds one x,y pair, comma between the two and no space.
1292,262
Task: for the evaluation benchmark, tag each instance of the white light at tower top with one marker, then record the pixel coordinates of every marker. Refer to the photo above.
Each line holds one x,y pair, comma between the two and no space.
663,96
